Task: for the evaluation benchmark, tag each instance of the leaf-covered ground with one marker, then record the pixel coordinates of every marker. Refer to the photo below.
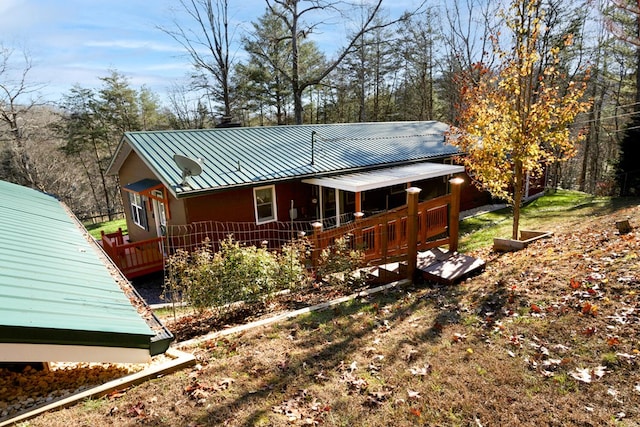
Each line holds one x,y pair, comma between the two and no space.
546,336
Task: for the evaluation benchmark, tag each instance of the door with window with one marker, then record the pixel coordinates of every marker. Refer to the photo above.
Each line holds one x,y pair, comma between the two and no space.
160,214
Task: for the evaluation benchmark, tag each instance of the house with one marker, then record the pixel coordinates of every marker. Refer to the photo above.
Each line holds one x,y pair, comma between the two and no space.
268,174
61,298
262,178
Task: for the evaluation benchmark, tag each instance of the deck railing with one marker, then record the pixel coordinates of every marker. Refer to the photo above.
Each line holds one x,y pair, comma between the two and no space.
384,236
135,258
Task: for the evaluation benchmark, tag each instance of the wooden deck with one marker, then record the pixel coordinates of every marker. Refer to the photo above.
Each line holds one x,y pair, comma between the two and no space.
134,259
395,235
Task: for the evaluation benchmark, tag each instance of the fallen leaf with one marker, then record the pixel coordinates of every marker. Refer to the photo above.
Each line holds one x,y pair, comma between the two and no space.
320,376
136,410
587,375
410,354
574,283
459,337
588,308
415,411
116,394
377,398
225,383
426,370
414,394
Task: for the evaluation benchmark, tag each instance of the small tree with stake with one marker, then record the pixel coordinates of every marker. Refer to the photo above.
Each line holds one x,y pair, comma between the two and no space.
514,120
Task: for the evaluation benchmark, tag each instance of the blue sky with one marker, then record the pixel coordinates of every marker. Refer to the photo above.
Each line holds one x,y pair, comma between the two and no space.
77,41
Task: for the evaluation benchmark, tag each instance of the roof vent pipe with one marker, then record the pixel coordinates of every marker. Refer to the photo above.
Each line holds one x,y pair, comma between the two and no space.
313,134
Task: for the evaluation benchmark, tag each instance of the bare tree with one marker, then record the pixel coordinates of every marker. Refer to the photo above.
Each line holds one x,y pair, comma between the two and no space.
186,112
623,20
625,24
18,96
208,46
292,14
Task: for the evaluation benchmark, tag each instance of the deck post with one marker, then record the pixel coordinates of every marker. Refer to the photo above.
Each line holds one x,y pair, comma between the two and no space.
358,230
412,231
454,213
317,228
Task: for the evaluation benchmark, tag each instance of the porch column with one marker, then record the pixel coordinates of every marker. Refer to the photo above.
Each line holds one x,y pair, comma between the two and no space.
321,202
454,213
412,231
337,192
358,202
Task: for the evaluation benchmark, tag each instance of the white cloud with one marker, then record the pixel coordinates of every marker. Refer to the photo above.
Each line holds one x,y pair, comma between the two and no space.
134,44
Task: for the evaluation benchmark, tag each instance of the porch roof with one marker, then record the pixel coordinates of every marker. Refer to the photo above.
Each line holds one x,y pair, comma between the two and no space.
59,297
143,186
386,177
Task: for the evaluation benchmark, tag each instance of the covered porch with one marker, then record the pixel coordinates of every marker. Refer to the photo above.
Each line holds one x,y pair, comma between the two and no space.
340,197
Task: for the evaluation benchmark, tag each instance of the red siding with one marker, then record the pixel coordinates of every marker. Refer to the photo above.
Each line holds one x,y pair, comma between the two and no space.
471,197
238,205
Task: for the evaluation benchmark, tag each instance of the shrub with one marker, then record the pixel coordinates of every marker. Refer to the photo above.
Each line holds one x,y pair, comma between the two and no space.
206,279
338,263
292,265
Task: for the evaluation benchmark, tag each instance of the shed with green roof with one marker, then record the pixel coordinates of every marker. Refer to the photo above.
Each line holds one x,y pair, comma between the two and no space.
61,299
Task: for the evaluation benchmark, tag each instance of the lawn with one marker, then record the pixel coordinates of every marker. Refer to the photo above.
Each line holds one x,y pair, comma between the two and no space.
546,336
542,213
107,227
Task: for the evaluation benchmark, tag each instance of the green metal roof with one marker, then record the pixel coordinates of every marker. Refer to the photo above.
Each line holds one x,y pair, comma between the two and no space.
54,286
246,156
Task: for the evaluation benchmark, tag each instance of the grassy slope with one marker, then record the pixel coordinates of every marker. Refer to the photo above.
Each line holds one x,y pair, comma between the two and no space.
107,227
542,213
506,347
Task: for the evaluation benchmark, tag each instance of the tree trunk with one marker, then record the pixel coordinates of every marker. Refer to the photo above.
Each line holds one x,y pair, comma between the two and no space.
517,198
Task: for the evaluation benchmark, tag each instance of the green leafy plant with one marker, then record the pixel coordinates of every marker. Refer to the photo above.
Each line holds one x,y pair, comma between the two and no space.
338,264
213,280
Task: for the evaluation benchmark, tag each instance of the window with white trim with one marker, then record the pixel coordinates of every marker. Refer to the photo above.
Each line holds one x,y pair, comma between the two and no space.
138,210
264,199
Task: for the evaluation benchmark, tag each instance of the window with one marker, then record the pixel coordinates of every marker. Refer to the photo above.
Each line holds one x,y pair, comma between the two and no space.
138,210
265,204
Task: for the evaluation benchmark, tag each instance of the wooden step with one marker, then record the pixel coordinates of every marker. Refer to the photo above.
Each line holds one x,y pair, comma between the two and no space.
446,266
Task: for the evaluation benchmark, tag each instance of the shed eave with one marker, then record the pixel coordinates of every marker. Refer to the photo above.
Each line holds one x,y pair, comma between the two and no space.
27,352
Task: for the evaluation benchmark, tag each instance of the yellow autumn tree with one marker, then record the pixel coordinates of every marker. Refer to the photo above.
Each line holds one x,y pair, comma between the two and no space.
517,118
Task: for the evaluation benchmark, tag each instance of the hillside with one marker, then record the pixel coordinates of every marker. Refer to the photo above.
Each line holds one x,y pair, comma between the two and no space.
546,336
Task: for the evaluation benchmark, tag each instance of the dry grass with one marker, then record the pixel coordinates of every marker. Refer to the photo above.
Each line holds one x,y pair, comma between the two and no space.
514,345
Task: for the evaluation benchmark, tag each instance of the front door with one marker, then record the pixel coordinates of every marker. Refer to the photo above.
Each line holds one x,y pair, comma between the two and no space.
160,214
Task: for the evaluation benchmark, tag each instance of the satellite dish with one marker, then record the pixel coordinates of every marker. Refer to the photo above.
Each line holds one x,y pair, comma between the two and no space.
188,166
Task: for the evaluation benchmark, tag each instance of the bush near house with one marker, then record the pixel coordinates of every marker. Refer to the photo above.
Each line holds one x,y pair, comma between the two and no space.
208,280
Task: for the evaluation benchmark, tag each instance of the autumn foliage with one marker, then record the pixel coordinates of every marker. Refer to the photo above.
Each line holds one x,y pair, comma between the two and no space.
515,119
